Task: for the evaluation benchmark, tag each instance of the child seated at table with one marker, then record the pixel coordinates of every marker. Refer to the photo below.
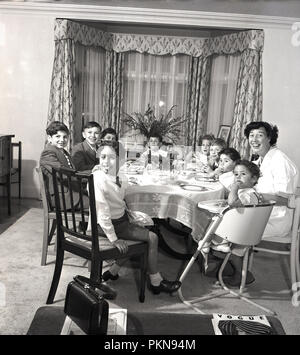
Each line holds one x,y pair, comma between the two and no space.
199,158
154,157
108,134
113,219
84,153
55,155
242,192
216,146
224,172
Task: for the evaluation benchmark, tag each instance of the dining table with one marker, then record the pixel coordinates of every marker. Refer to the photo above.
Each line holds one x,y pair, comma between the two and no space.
171,195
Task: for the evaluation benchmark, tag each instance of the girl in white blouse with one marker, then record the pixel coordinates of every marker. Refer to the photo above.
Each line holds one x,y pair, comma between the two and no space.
113,220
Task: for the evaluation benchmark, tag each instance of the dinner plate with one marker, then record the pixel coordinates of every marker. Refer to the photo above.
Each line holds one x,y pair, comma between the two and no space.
204,178
191,187
133,170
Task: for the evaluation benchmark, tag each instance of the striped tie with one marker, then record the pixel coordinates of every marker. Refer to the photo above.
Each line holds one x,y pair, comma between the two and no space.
68,159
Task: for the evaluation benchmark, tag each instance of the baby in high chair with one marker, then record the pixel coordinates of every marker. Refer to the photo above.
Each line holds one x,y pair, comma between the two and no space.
242,192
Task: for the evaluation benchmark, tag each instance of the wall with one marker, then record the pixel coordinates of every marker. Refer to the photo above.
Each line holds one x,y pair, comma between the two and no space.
26,57
281,88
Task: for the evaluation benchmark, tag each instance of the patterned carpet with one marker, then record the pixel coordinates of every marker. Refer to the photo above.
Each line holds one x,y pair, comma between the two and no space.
25,284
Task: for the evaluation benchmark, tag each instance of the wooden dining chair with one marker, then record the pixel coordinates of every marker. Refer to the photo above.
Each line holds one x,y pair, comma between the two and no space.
49,228
240,225
74,237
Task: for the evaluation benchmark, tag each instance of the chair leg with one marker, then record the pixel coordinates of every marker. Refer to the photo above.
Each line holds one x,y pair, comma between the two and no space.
19,186
56,275
9,195
293,268
45,241
52,231
244,275
297,261
96,270
244,270
143,278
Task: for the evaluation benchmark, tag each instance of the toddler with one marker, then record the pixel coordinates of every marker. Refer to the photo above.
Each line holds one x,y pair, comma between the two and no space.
241,193
224,171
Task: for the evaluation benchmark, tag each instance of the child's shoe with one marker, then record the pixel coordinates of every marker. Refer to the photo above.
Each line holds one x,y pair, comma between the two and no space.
206,247
224,247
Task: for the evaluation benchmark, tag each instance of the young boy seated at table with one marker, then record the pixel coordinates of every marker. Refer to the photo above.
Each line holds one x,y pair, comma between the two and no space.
154,157
200,156
216,146
55,155
242,192
224,172
108,134
113,219
84,153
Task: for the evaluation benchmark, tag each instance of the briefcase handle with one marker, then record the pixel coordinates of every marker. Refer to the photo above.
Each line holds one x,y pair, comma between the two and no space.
108,292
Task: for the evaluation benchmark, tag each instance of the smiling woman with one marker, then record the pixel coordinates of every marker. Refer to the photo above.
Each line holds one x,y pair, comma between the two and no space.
278,174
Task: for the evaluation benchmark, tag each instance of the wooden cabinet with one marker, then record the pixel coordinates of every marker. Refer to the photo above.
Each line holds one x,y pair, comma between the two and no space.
5,165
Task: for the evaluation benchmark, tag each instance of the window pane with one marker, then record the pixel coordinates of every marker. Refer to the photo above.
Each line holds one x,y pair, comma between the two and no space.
160,81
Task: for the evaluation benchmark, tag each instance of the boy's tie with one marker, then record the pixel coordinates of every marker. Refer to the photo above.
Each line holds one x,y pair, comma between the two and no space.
70,164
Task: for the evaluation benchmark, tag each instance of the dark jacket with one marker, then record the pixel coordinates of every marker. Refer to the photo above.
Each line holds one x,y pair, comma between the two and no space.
54,157
83,157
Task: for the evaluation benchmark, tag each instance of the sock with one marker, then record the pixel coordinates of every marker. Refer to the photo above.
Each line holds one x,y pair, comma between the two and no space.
155,279
115,269
205,260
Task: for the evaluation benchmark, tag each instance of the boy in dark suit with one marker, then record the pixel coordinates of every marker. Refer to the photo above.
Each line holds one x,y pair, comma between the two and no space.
84,153
55,155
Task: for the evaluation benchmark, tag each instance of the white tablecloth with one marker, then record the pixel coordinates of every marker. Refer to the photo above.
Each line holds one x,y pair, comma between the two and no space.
168,199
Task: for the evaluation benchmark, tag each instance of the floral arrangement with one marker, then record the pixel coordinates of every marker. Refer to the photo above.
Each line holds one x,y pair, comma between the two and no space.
165,125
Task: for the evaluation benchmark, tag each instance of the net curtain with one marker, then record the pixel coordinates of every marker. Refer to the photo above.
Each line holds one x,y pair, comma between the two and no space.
248,101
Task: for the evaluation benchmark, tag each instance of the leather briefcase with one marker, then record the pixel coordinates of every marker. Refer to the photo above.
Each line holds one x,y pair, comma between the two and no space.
86,307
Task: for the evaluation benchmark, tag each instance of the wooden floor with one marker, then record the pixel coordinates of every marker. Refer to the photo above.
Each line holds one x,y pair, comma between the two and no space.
18,208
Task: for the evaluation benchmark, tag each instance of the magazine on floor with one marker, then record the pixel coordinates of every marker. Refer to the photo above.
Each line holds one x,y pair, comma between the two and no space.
226,324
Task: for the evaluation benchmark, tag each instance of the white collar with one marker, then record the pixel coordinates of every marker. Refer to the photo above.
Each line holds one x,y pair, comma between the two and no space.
94,149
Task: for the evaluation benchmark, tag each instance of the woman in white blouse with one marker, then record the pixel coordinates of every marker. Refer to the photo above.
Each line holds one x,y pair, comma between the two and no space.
279,175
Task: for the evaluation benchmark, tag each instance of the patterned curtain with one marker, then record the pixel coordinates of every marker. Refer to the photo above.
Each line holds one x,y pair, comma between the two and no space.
248,102
113,90
61,102
197,99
